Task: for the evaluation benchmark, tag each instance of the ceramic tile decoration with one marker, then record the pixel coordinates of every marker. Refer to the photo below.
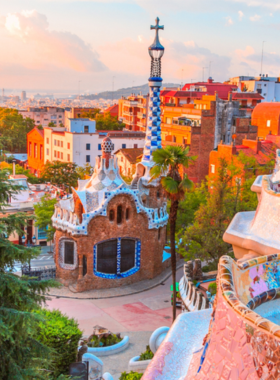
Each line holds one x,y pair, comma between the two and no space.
241,337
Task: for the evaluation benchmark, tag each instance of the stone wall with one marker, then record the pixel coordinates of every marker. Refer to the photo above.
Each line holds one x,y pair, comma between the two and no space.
100,229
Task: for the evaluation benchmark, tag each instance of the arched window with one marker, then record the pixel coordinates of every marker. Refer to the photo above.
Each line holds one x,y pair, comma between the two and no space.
127,214
158,194
119,214
111,215
159,234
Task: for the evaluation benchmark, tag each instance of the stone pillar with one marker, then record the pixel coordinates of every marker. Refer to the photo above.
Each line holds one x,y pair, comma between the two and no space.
80,258
197,271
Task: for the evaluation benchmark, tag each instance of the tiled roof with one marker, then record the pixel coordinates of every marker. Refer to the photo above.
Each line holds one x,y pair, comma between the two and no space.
246,95
131,154
264,154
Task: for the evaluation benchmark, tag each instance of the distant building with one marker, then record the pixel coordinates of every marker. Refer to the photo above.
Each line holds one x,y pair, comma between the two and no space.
127,159
75,113
262,151
268,87
35,148
133,112
266,116
23,96
44,115
81,143
113,110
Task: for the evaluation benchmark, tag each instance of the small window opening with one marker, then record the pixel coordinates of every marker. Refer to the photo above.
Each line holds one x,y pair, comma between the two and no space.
127,214
119,214
158,194
112,215
159,234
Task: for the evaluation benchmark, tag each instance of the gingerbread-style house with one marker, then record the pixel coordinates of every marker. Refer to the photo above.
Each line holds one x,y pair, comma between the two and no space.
108,233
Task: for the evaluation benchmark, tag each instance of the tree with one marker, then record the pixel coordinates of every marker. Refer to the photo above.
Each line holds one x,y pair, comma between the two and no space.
44,211
13,130
20,170
108,122
168,162
91,114
23,356
51,124
84,171
60,173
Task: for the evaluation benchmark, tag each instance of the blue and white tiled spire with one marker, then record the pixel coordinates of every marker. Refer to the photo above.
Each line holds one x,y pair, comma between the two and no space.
153,132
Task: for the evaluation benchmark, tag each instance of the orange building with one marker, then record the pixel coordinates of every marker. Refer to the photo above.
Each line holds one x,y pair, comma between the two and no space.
35,151
266,116
262,151
133,112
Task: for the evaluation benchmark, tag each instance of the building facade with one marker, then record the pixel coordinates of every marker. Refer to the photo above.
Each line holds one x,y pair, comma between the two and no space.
133,112
127,160
35,151
266,116
44,115
108,233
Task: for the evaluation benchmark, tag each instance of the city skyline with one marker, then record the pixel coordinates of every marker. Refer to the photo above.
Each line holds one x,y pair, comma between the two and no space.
97,45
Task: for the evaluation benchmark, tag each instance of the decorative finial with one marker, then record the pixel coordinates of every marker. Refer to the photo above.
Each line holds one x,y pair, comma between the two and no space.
156,51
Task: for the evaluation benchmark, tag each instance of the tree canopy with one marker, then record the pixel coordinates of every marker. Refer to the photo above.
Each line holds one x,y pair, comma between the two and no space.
104,121
44,210
13,130
59,173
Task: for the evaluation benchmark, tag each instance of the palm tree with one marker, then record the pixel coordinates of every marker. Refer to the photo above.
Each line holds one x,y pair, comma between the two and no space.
168,162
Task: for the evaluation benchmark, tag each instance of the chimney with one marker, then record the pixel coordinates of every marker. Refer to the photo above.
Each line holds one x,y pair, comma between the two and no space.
14,167
230,96
258,145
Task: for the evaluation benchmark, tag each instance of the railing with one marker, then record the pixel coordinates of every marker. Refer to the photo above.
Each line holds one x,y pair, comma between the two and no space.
131,103
141,105
141,115
39,273
128,113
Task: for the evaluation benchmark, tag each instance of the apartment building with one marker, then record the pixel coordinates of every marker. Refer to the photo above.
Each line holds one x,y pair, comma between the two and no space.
133,112
82,144
44,115
35,151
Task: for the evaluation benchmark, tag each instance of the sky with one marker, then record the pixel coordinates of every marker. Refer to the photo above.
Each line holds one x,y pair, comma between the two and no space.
61,46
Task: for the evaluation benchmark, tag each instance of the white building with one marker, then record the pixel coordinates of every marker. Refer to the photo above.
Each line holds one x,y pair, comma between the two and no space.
268,87
82,144
44,115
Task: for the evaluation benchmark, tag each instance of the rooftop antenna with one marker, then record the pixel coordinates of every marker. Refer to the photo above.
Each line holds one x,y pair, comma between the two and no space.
203,73
262,57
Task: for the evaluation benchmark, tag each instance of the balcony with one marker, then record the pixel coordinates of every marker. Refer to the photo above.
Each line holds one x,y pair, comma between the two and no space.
127,113
141,105
130,103
128,122
165,143
141,115
141,124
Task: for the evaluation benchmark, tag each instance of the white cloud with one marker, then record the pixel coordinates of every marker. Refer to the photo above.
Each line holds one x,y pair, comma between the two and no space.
229,21
275,4
240,15
255,18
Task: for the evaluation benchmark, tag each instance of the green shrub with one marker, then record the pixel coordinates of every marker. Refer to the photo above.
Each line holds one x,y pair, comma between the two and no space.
62,335
131,376
210,267
104,341
212,288
147,355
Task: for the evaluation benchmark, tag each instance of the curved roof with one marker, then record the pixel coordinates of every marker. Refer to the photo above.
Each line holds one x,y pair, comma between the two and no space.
268,111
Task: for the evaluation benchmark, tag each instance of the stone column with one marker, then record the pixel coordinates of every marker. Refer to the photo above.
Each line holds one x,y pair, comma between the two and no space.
80,258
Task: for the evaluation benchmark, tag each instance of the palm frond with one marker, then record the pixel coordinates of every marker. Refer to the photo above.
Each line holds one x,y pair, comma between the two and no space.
186,183
170,185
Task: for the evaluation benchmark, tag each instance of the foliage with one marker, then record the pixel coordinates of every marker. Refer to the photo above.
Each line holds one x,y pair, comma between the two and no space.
131,376
83,171
91,114
60,173
44,210
105,341
51,124
147,355
31,178
13,130
212,288
210,267
23,356
128,178
168,164
61,334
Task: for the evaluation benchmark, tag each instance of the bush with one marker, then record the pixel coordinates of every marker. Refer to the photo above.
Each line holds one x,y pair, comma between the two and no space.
212,288
62,335
131,376
147,355
110,340
210,267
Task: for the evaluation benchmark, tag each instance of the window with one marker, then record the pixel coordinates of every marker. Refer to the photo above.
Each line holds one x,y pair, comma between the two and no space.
48,152
54,143
107,257
127,254
48,140
68,252
30,149
121,158
86,129
168,120
135,146
61,155
68,157
88,158
61,144
212,168
111,215
268,123
68,145
60,116
54,153
127,214
119,214
87,146
58,154
41,151
99,146
35,150
123,146
58,143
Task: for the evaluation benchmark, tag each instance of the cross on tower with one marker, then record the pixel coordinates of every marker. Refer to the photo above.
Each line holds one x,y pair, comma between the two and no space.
157,27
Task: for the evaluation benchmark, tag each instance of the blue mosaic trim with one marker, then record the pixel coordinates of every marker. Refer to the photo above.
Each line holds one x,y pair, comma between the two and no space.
119,274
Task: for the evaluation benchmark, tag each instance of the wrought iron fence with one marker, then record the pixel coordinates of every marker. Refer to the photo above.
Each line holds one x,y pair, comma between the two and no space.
39,273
